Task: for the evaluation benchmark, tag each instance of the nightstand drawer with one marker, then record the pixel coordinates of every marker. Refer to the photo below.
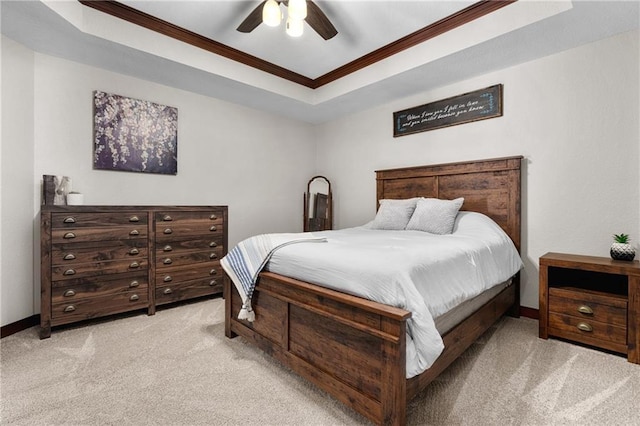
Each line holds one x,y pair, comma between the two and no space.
589,305
586,331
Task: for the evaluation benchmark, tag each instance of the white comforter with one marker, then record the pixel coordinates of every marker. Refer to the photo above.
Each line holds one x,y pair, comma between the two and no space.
423,273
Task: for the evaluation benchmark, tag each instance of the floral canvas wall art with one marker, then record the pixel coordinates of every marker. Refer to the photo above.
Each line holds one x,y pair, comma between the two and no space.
134,135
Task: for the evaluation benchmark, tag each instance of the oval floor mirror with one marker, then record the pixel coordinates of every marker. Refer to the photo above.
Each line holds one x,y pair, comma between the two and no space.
318,206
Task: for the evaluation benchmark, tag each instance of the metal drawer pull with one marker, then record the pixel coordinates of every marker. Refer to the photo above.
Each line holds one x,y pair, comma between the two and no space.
583,326
69,219
134,219
167,248
134,251
69,256
70,308
213,228
69,293
69,235
134,283
134,297
134,265
167,278
167,218
167,291
213,272
213,282
134,232
213,244
584,309
69,272
167,261
168,231
213,217
213,256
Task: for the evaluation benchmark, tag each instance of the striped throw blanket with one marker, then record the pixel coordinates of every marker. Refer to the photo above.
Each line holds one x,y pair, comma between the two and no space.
249,257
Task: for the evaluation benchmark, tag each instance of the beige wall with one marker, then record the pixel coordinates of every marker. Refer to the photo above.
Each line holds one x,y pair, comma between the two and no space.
17,290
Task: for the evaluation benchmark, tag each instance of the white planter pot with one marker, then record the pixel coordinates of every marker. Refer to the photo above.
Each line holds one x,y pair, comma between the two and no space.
622,251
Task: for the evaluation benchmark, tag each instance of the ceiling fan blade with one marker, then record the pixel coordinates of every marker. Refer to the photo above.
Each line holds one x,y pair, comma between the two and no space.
253,20
319,21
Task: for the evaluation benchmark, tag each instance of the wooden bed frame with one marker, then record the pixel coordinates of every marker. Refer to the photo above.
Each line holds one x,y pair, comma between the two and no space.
354,348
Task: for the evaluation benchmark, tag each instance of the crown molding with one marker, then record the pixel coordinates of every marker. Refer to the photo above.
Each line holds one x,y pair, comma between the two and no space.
134,16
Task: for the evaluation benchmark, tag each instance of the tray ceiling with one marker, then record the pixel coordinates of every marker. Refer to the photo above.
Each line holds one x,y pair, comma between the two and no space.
330,78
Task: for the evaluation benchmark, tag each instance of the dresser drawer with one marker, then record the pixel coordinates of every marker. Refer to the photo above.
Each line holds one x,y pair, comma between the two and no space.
167,260
190,244
94,307
589,305
71,271
72,290
213,216
182,230
586,331
66,254
188,289
189,273
87,219
178,225
106,233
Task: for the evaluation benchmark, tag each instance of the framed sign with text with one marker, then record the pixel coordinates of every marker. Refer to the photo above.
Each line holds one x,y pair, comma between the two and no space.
473,106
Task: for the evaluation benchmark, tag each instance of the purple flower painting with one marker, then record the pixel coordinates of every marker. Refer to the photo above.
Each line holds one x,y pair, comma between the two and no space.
134,135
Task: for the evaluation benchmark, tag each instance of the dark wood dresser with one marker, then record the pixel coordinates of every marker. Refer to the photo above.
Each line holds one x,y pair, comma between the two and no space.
591,300
103,260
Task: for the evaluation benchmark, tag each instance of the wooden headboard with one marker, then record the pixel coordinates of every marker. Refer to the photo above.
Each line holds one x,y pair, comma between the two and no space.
491,187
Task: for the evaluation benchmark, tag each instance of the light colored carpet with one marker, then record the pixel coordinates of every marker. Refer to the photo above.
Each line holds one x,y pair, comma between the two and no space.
177,368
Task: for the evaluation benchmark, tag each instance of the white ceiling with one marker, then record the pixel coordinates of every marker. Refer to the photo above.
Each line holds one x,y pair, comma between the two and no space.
363,26
517,33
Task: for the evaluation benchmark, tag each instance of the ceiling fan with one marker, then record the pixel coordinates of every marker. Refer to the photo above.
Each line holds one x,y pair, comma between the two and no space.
315,17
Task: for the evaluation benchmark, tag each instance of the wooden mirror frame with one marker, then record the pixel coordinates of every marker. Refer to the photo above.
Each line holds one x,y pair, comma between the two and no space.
315,223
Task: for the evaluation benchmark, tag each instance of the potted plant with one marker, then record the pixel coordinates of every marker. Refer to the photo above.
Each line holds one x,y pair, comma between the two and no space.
621,249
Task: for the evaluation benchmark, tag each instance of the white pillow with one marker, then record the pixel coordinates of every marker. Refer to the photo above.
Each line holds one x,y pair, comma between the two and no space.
434,215
394,214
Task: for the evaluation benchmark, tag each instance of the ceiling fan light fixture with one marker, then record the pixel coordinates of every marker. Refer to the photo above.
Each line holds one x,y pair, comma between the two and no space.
295,27
297,9
271,14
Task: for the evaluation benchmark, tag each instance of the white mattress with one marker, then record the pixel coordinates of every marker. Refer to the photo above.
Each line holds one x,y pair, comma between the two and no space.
423,273
455,316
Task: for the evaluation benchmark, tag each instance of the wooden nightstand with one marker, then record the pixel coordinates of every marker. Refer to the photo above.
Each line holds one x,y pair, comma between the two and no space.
591,300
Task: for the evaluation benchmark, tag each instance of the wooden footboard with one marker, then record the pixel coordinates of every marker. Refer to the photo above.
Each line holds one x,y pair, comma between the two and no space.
351,347
458,339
